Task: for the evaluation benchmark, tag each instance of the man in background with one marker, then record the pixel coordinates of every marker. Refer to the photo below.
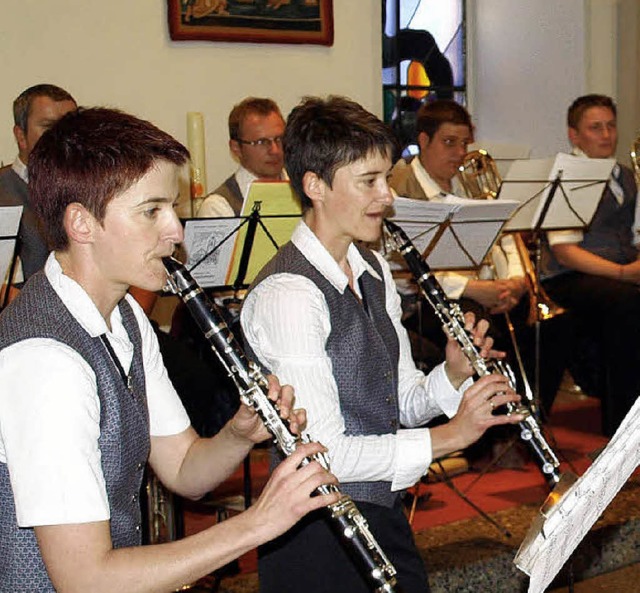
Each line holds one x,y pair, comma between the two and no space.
35,110
256,128
595,273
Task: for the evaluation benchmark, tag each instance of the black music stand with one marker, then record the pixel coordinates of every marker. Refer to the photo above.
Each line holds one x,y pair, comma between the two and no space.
240,259
554,194
454,235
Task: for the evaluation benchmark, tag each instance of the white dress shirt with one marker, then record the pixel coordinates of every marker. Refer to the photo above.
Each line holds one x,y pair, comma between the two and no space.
286,321
50,412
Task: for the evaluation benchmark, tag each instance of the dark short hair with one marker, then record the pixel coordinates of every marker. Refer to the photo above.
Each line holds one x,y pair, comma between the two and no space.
323,135
22,104
432,115
89,156
249,106
581,104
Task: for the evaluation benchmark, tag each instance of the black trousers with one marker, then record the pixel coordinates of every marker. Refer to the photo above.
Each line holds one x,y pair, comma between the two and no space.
311,558
607,312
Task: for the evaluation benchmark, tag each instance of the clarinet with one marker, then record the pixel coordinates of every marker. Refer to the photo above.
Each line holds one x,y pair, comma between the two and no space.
252,387
451,316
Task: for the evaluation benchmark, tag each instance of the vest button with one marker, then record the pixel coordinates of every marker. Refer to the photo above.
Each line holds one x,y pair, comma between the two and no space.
394,424
140,466
138,527
388,399
134,498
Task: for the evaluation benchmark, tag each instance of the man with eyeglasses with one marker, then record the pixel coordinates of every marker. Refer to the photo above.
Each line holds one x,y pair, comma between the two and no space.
596,273
256,127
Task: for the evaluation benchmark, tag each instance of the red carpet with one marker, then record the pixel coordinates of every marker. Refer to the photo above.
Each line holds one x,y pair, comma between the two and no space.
573,433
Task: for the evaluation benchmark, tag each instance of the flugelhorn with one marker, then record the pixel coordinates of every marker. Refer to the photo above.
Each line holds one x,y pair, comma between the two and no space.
480,178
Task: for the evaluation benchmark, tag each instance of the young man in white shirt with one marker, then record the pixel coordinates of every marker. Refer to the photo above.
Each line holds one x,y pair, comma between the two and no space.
596,272
85,398
324,313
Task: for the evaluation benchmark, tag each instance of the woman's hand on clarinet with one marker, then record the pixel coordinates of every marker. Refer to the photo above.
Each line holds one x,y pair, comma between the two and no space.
475,415
286,497
457,364
247,424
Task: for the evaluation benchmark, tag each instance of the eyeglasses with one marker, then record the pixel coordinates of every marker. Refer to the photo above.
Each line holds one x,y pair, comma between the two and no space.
263,142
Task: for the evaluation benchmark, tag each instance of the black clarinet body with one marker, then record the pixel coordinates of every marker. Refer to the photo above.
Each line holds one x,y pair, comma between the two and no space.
252,387
452,317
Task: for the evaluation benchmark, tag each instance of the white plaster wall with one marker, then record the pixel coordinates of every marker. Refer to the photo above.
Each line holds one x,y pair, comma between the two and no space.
118,53
528,63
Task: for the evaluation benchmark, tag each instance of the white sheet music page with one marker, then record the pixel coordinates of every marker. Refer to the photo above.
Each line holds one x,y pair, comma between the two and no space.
201,236
582,181
9,223
474,227
545,551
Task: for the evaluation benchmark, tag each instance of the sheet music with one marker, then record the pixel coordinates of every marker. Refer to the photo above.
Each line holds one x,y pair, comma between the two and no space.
280,212
574,202
548,546
9,223
200,237
474,226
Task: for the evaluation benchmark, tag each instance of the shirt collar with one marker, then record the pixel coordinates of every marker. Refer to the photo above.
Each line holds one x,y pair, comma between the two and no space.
431,189
79,303
615,172
20,169
318,256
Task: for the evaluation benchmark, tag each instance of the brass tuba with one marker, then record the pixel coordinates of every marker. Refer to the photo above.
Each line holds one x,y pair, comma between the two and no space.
480,178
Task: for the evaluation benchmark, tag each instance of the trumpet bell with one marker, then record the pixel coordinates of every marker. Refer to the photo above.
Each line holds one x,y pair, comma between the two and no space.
479,176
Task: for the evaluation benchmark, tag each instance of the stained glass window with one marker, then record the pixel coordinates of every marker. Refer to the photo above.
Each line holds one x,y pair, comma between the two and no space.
423,58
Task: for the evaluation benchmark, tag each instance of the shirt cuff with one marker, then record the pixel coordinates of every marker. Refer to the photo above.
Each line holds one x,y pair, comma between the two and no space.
447,396
452,283
567,236
413,457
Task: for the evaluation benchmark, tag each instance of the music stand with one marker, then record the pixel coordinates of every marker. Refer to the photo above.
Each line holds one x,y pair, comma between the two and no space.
226,253
554,194
451,235
9,223
561,526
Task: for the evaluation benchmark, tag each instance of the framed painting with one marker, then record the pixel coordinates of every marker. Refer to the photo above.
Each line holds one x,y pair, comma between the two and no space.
253,21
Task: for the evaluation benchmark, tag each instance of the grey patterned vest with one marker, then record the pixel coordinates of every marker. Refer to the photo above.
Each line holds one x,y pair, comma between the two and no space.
364,351
230,191
610,234
124,429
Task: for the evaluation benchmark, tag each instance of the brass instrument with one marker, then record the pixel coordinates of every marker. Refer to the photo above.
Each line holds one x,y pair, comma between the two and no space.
635,159
479,175
480,178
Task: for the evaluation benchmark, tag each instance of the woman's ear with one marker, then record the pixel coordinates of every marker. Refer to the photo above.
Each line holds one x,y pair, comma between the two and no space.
79,223
314,187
